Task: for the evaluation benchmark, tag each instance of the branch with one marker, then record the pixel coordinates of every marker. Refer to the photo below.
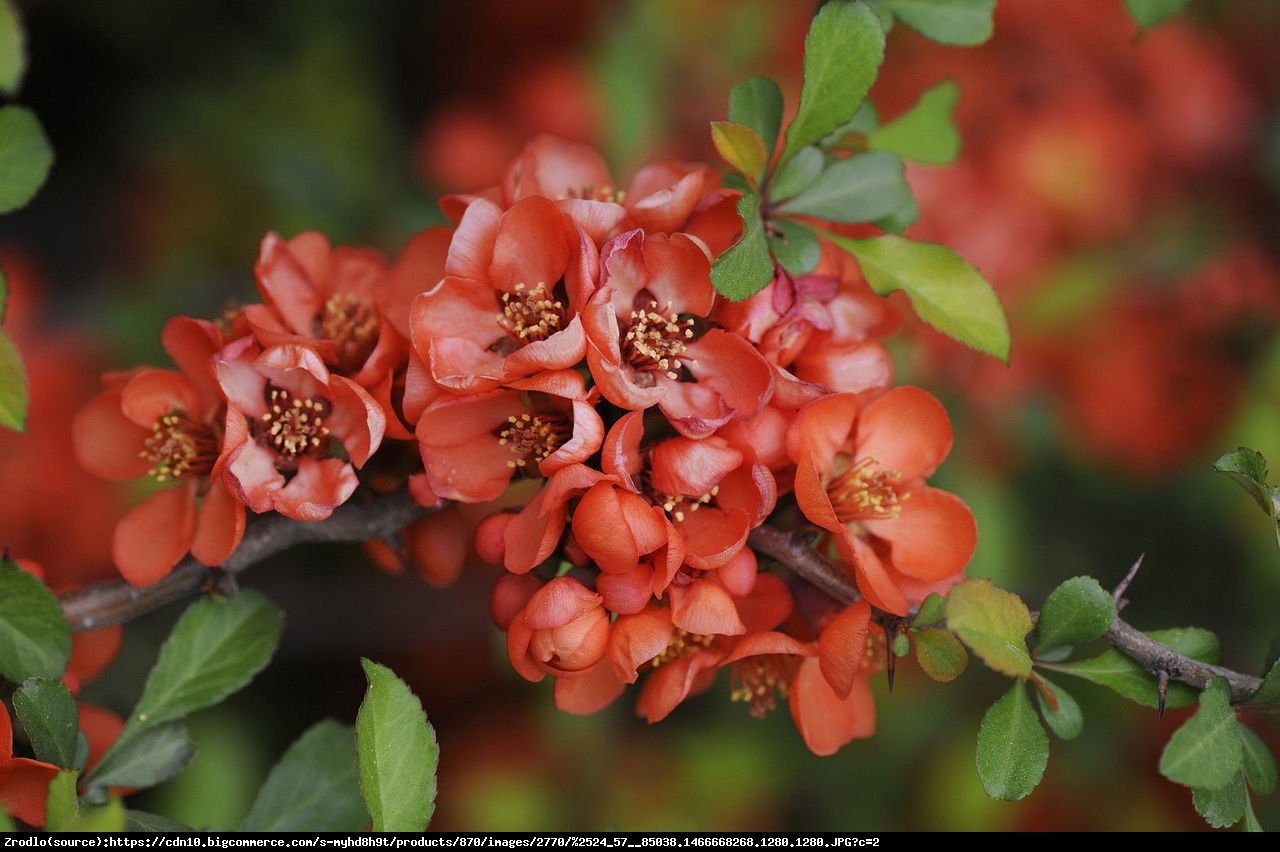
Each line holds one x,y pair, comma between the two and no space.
116,601
795,550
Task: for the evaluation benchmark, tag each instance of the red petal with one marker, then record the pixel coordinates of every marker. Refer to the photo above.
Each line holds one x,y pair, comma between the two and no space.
519,635
155,535
615,528
629,593
219,524
591,692
712,536
826,721
559,602
821,429
357,420
533,534
597,219
438,546
555,168
560,351
620,454
766,643
850,368
934,536
532,246
704,608
420,267
24,787
841,646
252,476
738,575
106,442
151,394
92,651
873,580
101,727
691,468
286,283
767,606
667,208
510,595
588,432
812,497
906,430
673,682
637,639
319,487
471,249
734,368
192,343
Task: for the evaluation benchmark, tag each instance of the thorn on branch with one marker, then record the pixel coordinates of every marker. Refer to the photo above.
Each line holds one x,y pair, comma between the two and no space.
891,659
1162,689
224,583
1123,586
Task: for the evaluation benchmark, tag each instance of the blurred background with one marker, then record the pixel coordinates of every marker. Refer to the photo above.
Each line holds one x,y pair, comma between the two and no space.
1122,191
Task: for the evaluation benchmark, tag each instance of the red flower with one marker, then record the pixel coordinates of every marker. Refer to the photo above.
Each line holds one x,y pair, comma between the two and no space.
24,783
562,630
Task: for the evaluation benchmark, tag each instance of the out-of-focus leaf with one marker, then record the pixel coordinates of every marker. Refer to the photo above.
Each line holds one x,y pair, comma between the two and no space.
34,639
795,246
1259,762
745,268
49,716
13,49
1250,818
1148,13
313,787
13,386
154,754
940,655
741,147
109,818
1060,710
958,22
143,821
61,805
1115,671
1013,748
932,610
862,188
925,133
797,174
396,753
1077,611
1249,469
1206,751
757,103
992,622
1224,806
1269,692
25,157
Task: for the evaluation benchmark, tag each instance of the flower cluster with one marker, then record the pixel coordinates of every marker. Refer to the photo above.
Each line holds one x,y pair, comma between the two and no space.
560,359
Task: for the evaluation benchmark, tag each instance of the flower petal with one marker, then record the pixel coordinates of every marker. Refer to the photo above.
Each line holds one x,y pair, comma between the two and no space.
106,442
906,430
319,487
932,538
532,245
219,524
155,535
841,646
591,692
821,429
826,721
704,608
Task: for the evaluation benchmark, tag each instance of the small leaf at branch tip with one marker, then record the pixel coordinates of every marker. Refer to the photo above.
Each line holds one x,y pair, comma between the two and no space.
1207,751
745,268
993,623
1077,611
963,23
741,147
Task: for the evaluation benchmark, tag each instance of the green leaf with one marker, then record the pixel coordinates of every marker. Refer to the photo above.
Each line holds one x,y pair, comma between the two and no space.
110,817
1249,470
6,824
842,55
61,805
49,716
216,648
1259,762
1059,709
901,644
902,218
34,639
13,386
741,147
945,291
144,759
1250,818
795,246
1222,807
25,157
1269,691
143,821
1121,674
797,174
1013,748
13,49
959,22
744,269
396,753
757,103
993,623
940,655
1148,13
852,135
932,610
860,189
1207,750
925,133
1078,611
313,787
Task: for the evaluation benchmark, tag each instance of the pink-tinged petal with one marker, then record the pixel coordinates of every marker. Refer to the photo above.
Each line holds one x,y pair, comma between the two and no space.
471,250
298,369
533,534
319,487
489,543
826,721
598,219
668,563
695,409
712,536
420,390
24,789
704,608
151,394
821,430
791,393
734,368
510,595
519,635
615,383
675,271
751,488
615,527
675,681
559,602
572,648
419,268
315,255
620,453
665,209
588,432
155,535
106,442
460,450
460,308
381,392
841,646
715,220
242,385
285,282
591,692
637,639
932,538
532,246
738,575
570,481
691,468
812,497
219,524
582,278
252,476
849,368
767,606
386,358
356,419
766,644
462,366
906,430
354,271
555,168
568,384
192,343
870,572
626,593
560,351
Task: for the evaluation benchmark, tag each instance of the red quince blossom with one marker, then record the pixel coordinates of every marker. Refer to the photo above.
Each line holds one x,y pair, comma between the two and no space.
285,409
562,630
24,783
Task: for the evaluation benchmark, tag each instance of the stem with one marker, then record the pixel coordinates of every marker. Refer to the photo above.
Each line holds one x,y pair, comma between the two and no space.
116,601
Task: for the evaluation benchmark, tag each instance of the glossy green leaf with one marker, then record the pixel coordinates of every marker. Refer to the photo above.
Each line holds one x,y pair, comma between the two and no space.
940,655
757,103
143,821
945,291
925,133
14,398
795,246
1207,750
396,753
13,49
932,610
745,268
25,157
958,22
49,716
1013,748
1250,818
1059,709
61,805
1224,806
1148,13
1077,611
1269,691
1259,762
862,188
842,55
797,174
145,758
313,787
1249,470
1121,674
741,147
34,639
993,623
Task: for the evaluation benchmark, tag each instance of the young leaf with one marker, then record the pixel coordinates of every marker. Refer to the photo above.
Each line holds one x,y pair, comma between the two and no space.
1269,692
14,396
940,655
925,133
1059,709
25,157
313,787
61,805
13,53
1121,674
1148,13
110,817
797,174
745,268
1259,763
1250,818
34,639
1249,469
1078,611
795,246
143,821
49,716
396,753
945,291
1013,748
144,759
842,55
1222,807
959,22
932,610
1207,750
860,189
901,645
900,219
216,648
992,622
757,103
741,147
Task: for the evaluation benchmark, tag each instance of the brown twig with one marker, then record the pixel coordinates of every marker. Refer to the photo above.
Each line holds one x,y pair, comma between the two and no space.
116,602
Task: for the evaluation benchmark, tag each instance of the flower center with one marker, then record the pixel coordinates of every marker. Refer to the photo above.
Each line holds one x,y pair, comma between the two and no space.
677,507
866,492
352,324
531,313
178,447
533,437
682,644
760,682
293,427
607,194
656,338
